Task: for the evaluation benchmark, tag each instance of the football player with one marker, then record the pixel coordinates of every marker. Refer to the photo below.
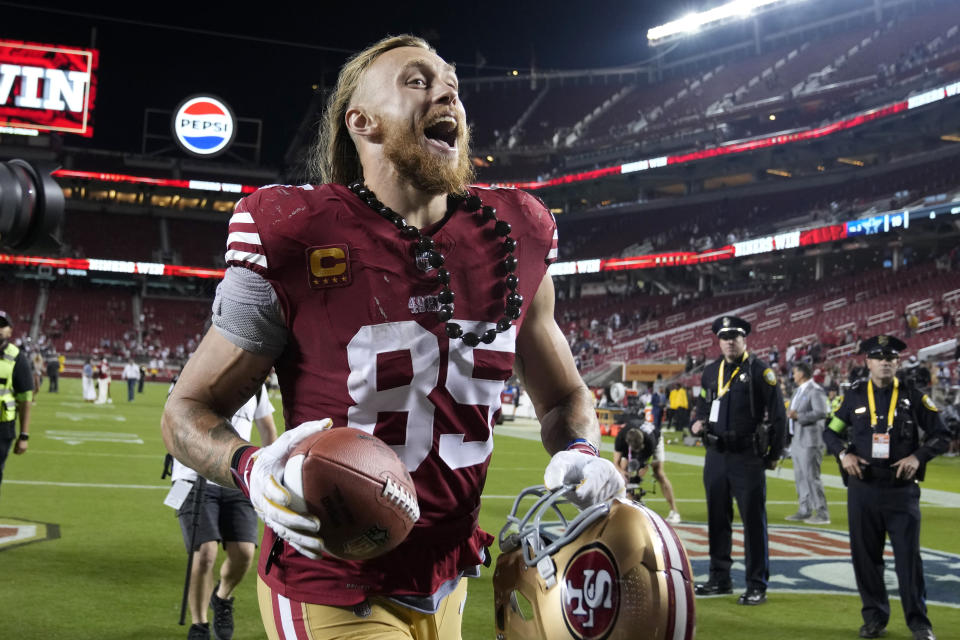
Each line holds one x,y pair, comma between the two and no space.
391,298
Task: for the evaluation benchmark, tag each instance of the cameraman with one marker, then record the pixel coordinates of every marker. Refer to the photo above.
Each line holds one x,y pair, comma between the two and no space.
638,443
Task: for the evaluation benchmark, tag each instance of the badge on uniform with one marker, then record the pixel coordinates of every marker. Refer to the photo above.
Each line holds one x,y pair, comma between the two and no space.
881,446
770,377
928,403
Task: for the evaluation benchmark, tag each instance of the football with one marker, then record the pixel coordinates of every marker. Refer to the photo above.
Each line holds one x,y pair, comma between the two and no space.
358,488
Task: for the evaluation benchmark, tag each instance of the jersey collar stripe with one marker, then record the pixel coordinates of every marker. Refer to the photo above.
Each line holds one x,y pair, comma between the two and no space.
241,217
242,256
241,236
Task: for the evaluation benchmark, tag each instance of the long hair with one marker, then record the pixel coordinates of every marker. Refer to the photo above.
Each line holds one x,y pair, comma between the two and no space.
334,159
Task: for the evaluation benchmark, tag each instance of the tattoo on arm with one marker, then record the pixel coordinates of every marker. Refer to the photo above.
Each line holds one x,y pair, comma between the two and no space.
206,449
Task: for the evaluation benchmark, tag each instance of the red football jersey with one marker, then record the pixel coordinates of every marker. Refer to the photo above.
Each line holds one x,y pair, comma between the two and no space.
366,349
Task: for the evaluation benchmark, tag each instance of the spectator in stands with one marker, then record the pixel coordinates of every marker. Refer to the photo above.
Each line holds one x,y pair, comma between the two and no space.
912,323
814,352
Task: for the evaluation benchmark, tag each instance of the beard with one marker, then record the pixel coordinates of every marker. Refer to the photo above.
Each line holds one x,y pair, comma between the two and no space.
426,171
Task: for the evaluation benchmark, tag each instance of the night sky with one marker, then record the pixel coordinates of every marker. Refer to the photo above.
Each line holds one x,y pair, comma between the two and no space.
145,66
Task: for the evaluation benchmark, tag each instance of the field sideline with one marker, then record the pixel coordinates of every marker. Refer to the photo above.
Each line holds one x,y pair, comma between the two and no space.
113,564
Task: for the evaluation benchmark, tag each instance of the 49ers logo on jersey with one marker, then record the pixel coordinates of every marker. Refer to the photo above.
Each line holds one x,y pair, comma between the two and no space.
329,266
591,593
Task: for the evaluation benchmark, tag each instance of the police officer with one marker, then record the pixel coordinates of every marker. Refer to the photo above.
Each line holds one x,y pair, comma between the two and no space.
741,416
16,392
875,435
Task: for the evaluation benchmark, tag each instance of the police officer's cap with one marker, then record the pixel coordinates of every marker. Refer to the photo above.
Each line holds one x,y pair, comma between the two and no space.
730,325
4,319
882,345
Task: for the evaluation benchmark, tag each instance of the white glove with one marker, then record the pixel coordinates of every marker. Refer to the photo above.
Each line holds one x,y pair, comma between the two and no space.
272,499
594,479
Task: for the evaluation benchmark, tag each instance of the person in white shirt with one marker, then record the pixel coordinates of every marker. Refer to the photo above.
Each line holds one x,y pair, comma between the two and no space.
225,516
103,383
809,409
131,373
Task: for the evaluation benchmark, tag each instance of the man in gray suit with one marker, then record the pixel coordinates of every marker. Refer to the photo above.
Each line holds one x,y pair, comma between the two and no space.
808,413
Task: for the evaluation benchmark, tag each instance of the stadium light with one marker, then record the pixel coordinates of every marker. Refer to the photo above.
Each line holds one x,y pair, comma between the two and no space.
691,23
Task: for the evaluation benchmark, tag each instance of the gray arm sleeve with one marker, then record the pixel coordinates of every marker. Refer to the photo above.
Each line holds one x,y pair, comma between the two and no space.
247,313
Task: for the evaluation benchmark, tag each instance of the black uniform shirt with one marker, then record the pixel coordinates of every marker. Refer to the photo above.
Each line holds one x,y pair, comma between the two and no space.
736,413
22,374
850,427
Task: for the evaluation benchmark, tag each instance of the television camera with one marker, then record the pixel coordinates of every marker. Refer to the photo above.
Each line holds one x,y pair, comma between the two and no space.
31,205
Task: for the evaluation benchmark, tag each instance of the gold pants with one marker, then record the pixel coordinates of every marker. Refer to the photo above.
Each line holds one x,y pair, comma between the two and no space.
286,619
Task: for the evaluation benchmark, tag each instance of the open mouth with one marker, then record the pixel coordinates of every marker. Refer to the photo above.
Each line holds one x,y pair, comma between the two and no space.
443,131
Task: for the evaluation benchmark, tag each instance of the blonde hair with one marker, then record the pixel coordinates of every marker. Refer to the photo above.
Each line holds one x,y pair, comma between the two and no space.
334,159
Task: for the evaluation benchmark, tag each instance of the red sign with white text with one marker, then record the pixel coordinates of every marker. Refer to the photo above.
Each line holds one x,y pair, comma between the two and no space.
47,87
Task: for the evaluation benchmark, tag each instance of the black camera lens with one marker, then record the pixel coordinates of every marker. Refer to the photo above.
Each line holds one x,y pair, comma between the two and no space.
31,204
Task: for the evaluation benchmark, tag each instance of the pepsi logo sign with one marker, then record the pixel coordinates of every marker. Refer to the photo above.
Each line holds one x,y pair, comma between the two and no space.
591,593
204,126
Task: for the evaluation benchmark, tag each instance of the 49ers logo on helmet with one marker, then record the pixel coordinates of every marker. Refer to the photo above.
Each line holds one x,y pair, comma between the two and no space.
591,593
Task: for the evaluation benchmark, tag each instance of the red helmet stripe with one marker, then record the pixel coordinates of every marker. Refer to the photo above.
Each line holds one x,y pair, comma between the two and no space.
680,592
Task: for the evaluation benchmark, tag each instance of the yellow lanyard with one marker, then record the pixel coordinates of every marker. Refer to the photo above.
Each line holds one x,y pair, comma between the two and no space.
723,388
873,404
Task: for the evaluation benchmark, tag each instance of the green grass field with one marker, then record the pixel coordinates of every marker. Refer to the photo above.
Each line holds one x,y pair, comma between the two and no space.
116,570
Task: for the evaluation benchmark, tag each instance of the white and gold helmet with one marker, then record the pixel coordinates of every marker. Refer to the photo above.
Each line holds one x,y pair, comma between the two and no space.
614,571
